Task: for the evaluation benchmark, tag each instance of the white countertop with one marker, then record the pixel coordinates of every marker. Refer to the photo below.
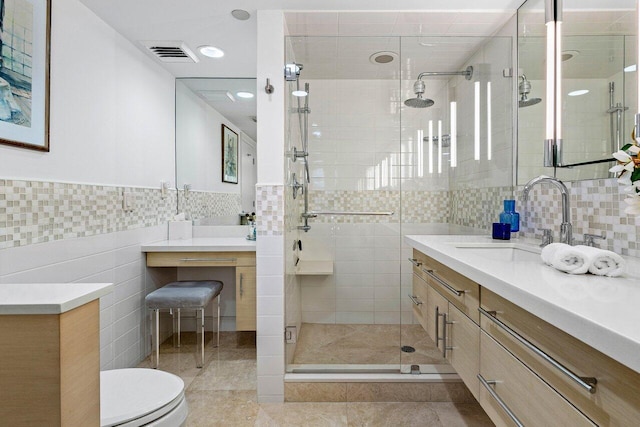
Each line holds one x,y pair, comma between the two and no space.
203,244
48,298
603,312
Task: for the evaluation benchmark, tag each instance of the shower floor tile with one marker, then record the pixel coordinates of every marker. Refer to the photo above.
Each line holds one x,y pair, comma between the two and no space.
342,344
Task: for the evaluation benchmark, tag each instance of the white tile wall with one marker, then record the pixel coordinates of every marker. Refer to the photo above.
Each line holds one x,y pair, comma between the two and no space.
113,257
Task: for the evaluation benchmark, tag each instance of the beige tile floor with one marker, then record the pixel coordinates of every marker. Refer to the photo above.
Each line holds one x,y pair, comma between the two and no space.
223,393
364,344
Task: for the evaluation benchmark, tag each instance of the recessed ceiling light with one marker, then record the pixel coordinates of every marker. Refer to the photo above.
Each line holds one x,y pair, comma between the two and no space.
630,68
579,92
299,93
211,51
383,57
243,94
241,15
569,54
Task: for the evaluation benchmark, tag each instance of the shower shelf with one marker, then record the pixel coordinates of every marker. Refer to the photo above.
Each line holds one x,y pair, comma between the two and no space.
314,268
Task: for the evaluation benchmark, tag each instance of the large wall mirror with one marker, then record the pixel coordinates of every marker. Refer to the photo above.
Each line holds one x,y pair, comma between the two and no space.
598,88
203,107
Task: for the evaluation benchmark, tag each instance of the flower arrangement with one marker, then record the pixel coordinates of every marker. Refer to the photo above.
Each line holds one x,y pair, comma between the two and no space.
628,168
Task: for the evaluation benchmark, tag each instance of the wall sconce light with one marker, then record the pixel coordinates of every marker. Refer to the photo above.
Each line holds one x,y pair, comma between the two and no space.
553,116
430,145
489,148
476,122
637,116
439,146
453,134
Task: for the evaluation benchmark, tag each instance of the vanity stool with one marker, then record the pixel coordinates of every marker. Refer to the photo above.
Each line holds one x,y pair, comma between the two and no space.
191,295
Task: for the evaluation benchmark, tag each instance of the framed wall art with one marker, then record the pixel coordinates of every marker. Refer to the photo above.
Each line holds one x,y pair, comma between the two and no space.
229,155
24,73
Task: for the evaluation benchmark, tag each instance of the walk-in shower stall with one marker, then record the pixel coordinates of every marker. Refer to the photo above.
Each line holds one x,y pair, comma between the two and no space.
366,167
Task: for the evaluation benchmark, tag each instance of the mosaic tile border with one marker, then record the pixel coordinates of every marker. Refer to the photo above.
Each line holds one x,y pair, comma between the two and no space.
597,206
270,210
204,204
36,212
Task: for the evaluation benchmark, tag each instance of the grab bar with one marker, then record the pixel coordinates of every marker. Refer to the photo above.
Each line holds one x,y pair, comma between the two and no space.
505,408
383,213
588,383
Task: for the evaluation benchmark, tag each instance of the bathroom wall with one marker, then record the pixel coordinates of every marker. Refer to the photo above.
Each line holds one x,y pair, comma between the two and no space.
111,130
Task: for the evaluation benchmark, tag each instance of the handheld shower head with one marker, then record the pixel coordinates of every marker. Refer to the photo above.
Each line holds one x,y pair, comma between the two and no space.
523,89
418,101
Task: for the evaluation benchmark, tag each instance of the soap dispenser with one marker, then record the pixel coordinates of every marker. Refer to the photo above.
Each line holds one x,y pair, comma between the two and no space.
510,216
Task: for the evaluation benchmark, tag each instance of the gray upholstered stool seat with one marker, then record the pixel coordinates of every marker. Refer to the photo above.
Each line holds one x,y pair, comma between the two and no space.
193,295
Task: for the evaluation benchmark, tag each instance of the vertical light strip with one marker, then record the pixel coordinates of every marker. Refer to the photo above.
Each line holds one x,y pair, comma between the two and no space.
453,135
476,122
439,146
489,130
638,57
550,77
430,145
558,88
420,150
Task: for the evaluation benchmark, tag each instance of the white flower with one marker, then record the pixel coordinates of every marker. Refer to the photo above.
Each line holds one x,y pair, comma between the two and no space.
634,149
634,206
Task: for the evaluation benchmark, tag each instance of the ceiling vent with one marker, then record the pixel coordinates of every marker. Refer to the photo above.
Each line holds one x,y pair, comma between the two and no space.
216,95
170,51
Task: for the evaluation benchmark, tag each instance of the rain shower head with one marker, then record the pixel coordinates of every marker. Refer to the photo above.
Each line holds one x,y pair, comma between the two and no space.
523,89
418,101
418,86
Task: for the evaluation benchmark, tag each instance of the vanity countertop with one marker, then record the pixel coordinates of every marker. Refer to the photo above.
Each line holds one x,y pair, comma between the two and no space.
203,244
603,312
48,298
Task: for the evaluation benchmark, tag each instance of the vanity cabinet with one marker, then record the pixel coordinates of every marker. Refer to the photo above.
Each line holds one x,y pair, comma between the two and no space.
245,298
446,300
244,263
555,356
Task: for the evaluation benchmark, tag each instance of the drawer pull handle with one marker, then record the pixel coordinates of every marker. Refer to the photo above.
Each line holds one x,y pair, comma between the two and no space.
208,259
241,287
415,262
492,392
450,288
415,300
587,383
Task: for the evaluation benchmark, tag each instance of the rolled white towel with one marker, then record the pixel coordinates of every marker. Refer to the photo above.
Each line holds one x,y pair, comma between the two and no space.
603,262
565,258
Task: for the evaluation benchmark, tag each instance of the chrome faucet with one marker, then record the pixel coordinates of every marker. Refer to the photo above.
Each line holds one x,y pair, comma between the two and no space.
565,227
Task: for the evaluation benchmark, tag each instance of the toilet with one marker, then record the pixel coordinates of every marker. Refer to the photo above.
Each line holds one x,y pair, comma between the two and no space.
141,397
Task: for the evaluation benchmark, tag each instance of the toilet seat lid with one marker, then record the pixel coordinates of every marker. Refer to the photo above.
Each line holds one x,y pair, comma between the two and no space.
129,394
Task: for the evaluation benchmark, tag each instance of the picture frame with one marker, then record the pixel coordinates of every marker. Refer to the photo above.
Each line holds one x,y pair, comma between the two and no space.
229,155
24,73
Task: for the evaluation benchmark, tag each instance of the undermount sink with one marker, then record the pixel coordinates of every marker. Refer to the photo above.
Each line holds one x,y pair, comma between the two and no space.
502,251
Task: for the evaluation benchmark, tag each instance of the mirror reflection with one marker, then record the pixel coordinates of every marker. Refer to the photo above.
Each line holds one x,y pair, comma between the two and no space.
203,107
598,87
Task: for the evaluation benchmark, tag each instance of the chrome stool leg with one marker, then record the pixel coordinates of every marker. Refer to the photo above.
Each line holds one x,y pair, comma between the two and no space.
218,319
200,336
154,317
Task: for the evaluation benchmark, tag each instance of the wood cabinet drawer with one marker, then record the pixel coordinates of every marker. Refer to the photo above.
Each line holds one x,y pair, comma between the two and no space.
200,259
529,398
419,300
437,309
246,299
462,292
464,348
616,400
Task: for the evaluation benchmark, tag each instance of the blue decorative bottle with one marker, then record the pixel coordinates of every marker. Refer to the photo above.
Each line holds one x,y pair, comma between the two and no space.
510,216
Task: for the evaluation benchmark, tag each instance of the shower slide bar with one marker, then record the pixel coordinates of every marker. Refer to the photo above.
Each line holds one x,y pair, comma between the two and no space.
316,213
